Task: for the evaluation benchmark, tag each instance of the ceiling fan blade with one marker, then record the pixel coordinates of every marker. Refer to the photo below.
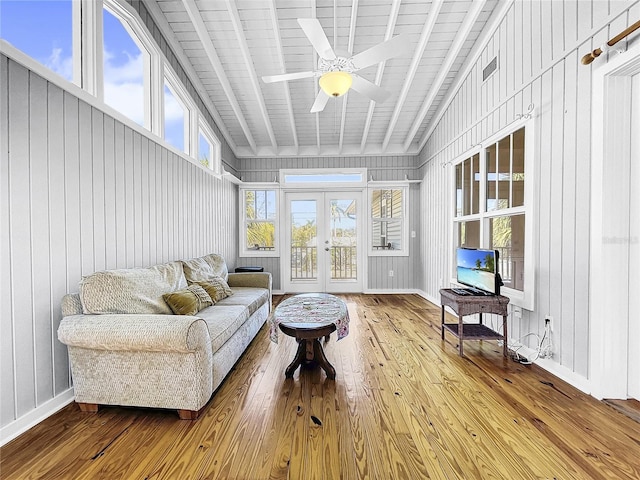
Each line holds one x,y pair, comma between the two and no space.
395,47
320,103
368,89
314,32
287,76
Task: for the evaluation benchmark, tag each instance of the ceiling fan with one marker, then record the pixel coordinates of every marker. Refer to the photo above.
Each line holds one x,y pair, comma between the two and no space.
337,72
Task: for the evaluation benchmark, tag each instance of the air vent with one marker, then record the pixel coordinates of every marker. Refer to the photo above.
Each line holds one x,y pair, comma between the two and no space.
489,69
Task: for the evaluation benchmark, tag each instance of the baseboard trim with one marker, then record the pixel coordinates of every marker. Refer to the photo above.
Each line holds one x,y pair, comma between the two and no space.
35,416
560,371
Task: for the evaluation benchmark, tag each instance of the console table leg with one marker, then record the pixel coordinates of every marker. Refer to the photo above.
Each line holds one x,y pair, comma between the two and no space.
505,348
442,320
460,334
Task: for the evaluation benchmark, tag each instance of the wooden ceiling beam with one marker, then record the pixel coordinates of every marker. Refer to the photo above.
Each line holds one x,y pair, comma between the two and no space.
287,93
454,50
391,25
205,39
253,76
352,36
413,68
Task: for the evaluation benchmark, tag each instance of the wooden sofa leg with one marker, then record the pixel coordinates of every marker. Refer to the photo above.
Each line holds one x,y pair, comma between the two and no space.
88,407
189,414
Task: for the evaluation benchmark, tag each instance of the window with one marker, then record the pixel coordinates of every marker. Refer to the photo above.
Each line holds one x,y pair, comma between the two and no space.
124,63
389,228
491,208
176,118
208,149
43,30
259,222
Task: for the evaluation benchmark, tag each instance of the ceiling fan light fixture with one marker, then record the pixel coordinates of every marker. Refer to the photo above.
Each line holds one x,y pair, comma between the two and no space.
335,84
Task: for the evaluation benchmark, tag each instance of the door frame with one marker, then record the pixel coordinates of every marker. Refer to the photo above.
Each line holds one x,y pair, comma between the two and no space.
286,228
608,259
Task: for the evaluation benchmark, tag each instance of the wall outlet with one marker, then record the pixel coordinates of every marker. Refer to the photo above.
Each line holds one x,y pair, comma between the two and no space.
413,234
391,273
548,320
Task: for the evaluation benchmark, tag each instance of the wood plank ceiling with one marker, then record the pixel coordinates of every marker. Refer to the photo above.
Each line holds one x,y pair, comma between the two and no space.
231,44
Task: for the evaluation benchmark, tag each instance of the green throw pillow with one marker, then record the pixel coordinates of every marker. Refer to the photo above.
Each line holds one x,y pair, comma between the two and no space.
217,288
188,301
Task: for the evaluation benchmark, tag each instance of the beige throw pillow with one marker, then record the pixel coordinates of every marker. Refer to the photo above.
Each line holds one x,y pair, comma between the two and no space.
217,288
188,301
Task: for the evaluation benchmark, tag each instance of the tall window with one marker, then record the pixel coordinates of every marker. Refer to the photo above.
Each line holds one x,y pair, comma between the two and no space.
259,210
388,220
490,206
125,60
41,29
176,118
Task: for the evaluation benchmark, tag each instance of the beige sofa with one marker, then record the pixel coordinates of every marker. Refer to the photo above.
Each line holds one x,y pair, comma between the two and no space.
127,347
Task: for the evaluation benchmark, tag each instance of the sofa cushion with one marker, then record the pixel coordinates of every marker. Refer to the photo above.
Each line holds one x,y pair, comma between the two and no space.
217,288
132,290
251,297
188,301
203,269
223,322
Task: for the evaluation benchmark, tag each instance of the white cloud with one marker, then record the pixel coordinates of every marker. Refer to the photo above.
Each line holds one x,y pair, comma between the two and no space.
60,64
124,85
173,110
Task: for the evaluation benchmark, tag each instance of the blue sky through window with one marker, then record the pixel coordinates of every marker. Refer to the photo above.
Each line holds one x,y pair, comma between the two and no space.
42,30
174,117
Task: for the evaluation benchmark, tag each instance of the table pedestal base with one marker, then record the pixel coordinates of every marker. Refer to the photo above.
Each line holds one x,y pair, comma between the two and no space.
310,350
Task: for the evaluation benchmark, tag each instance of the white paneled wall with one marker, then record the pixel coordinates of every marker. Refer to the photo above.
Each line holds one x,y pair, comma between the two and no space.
539,45
82,192
407,272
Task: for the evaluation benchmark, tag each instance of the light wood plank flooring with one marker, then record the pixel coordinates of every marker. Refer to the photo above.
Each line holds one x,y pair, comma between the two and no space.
404,405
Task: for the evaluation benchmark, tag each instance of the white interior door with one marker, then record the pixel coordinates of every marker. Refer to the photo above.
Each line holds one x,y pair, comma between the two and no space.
323,244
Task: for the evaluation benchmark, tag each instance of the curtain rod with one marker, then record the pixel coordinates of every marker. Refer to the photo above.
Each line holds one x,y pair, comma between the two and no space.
590,57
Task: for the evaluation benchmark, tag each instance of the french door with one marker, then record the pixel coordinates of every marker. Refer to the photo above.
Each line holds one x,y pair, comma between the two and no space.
323,244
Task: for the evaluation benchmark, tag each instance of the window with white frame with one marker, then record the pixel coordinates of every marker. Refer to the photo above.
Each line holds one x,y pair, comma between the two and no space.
259,212
43,30
176,116
208,149
125,60
107,50
388,220
492,211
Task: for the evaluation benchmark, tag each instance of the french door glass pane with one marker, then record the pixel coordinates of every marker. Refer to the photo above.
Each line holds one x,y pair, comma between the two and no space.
491,159
343,225
304,241
475,184
507,236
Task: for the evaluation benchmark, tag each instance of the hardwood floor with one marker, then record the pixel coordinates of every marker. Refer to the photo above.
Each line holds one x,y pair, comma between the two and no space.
404,405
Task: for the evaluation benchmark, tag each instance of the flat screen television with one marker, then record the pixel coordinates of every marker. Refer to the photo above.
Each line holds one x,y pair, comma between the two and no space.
478,270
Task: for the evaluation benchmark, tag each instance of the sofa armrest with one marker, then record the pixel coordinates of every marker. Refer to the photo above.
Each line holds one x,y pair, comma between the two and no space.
257,279
166,333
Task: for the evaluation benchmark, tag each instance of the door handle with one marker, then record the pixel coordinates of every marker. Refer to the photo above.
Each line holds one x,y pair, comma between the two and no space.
326,249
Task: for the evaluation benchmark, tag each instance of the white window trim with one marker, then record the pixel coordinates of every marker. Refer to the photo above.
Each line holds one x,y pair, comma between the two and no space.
242,250
526,298
323,171
382,185
216,147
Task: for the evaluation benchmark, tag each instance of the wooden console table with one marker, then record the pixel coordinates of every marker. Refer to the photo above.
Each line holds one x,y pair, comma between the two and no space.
469,305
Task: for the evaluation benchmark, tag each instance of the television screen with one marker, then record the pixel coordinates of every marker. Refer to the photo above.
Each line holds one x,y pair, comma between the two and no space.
478,269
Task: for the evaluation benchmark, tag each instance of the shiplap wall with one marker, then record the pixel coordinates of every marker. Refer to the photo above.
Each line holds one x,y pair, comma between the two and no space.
82,192
539,45
407,271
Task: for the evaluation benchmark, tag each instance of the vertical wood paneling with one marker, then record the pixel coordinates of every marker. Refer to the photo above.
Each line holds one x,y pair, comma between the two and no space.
553,79
57,232
21,238
39,202
81,192
7,405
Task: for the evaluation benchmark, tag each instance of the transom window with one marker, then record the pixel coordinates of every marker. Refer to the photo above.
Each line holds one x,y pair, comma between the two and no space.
491,209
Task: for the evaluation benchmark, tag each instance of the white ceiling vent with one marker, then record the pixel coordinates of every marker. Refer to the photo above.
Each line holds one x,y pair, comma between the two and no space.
490,68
